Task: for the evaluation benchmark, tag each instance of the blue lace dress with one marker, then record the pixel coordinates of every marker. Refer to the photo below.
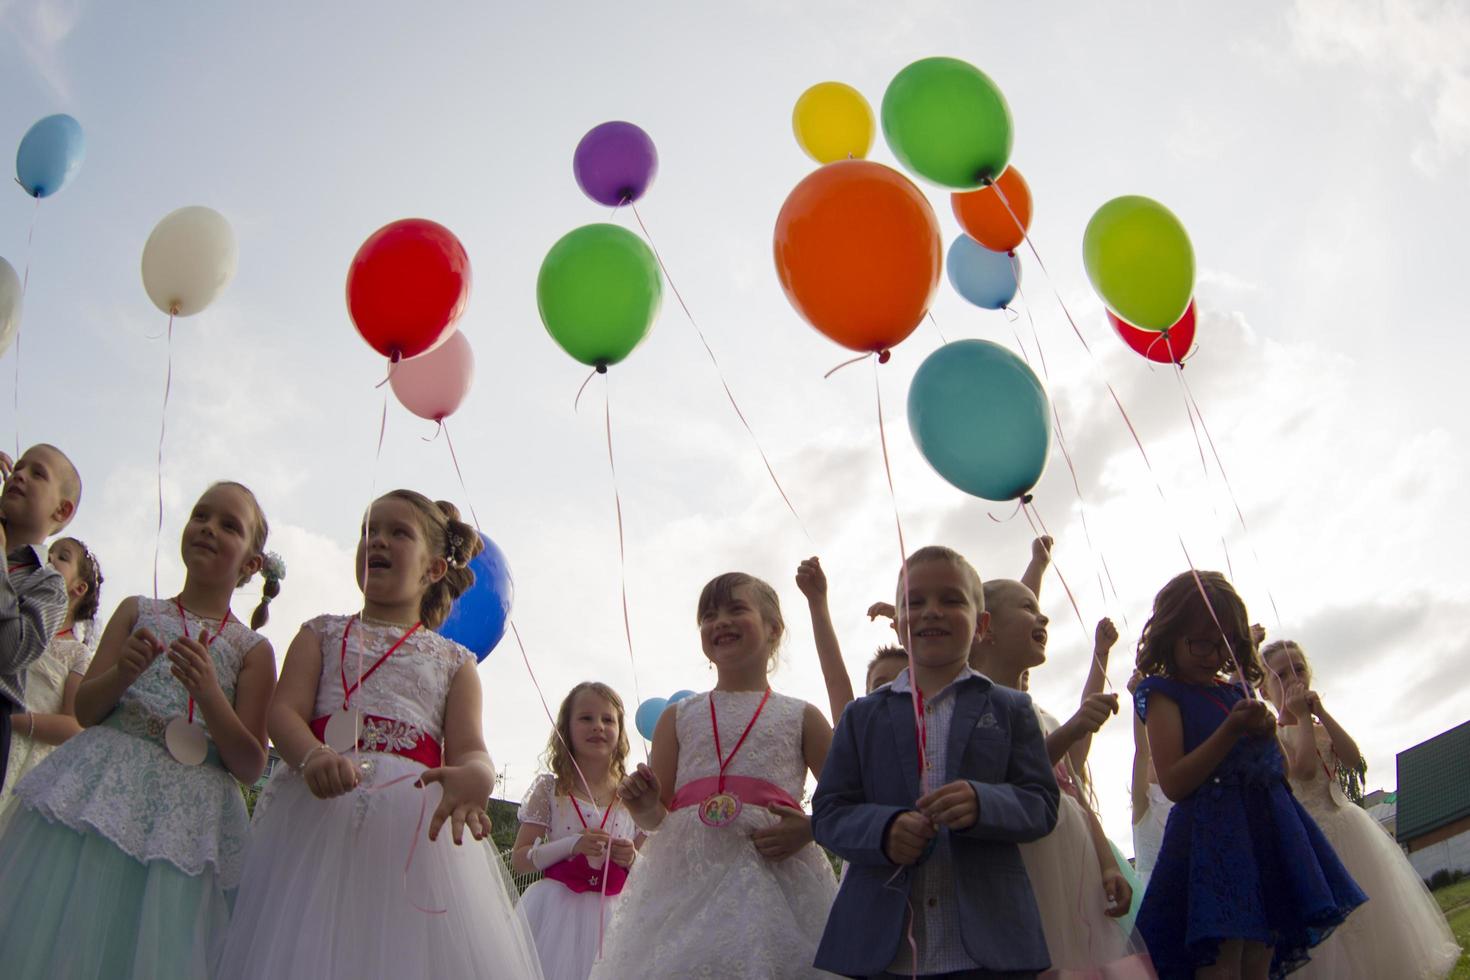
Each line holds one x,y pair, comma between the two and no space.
1241,859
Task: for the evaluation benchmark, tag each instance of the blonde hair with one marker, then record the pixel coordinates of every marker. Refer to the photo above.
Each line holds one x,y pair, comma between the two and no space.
259,533
719,590
938,552
558,755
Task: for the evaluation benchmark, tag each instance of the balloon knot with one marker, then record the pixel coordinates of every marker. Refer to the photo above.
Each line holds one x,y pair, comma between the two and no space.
1025,499
883,356
601,367
396,356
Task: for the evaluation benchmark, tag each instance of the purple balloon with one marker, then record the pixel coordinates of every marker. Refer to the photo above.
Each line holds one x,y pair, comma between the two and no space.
615,163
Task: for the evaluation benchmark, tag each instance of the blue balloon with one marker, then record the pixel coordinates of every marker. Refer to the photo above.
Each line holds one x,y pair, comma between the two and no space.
678,696
50,155
647,715
981,418
987,279
478,617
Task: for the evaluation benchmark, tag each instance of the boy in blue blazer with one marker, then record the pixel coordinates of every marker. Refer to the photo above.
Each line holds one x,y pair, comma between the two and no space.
937,836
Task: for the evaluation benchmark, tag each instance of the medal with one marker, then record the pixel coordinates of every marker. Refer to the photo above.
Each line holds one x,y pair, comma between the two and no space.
342,729
344,726
185,738
186,741
720,808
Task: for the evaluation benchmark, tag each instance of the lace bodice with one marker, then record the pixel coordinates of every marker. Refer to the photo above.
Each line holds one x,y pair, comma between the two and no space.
543,805
412,686
118,781
45,690
1317,792
772,750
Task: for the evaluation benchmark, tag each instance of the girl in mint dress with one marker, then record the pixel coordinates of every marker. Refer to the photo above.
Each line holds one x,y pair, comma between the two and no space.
125,850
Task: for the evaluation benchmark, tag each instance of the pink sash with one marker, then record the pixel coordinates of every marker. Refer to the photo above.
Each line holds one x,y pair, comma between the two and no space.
578,874
752,791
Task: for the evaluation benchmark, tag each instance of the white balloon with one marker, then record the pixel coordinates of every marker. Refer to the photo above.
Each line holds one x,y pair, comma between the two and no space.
9,305
189,259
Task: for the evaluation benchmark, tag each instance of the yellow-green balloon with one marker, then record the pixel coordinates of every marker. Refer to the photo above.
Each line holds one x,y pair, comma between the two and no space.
1139,259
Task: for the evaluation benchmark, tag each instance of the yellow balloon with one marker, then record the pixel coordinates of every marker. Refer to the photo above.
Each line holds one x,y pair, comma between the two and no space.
833,121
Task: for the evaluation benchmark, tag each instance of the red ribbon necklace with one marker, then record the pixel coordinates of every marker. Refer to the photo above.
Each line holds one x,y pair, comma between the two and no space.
715,724
204,639
342,660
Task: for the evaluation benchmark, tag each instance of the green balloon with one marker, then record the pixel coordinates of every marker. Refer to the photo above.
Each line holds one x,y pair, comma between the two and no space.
1140,261
947,122
598,291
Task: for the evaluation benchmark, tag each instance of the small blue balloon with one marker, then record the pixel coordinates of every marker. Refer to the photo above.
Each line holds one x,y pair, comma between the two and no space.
478,617
50,155
678,696
987,279
981,418
647,715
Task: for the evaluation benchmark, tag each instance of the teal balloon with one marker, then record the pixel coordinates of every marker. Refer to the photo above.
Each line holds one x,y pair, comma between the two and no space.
987,279
981,418
599,292
947,121
647,715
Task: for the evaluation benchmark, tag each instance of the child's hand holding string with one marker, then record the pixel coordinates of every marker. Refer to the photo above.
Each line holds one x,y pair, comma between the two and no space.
1118,891
640,790
953,805
623,852
194,667
138,652
466,794
790,833
1250,717
593,843
908,837
811,580
1104,638
328,774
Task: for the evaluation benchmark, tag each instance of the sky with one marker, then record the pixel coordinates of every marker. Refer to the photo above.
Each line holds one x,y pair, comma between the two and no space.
1317,152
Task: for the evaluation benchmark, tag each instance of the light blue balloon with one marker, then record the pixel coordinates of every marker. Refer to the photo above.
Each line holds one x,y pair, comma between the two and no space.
987,279
648,714
50,155
678,696
981,418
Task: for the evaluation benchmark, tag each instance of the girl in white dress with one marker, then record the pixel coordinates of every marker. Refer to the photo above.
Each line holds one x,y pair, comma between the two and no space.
730,884
377,718
1399,931
572,826
128,841
52,681
1150,806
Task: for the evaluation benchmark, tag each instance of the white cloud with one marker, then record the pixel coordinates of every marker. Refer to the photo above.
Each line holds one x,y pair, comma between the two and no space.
1422,47
40,30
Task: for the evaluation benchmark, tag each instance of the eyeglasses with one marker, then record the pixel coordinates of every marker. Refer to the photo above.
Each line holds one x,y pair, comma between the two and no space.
1211,646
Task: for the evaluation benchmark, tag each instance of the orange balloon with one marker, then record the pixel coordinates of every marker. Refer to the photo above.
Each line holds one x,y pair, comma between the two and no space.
984,217
858,253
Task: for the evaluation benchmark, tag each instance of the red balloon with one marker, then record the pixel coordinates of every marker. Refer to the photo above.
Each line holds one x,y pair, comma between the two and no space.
1163,346
407,286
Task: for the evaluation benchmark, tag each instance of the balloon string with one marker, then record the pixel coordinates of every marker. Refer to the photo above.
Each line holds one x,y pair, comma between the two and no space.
367,517
622,548
438,431
908,924
454,458
920,729
25,282
1099,560
942,338
720,374
418,829
1039,528
577,402
1235,502
1205,472
1189,559
1007,519
845,364
168,384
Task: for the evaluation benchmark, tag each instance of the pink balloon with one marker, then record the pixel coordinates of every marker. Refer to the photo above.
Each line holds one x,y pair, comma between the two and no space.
433,385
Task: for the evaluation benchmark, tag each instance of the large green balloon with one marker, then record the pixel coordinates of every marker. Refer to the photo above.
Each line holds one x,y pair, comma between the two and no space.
598,292
946,121
1140,261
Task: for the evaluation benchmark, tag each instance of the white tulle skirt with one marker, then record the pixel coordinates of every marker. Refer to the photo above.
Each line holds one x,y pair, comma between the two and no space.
564,925
325,893
701,902
1084,941
1399,932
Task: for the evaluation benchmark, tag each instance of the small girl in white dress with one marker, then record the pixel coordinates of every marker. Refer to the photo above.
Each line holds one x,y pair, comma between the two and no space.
346,874
575,832
730,884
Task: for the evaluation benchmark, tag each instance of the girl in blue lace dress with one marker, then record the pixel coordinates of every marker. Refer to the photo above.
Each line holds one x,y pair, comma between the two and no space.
1245,883
128,842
